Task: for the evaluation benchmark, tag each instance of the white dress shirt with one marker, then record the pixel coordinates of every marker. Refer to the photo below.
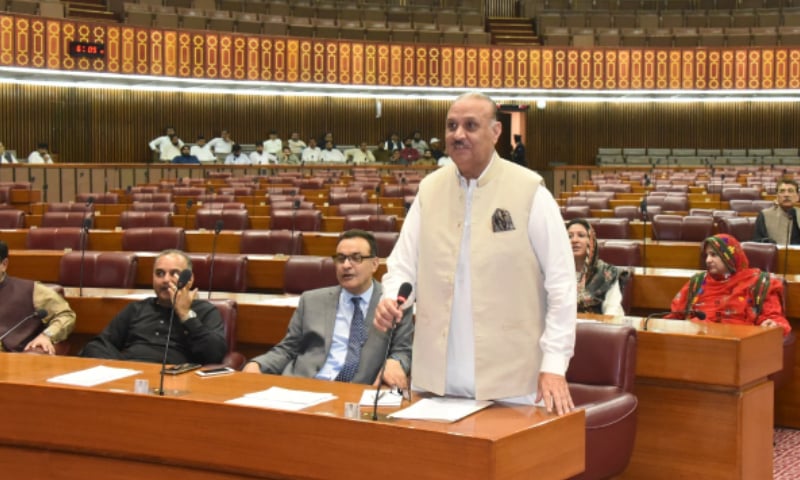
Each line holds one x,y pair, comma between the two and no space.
241,159
204,153
219,146
273,146
333,155
341,333
36,157
262,158
311,154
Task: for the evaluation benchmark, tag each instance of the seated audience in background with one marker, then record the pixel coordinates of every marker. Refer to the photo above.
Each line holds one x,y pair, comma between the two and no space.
237,157
730,292
409,154
418,143
19,299
330,154
286,156
163,145
778,223
273,145
436,148
6,156
295,144
202,151
312,153
381,154
260,157
186,156
360,155
331,335
222,145
139,331
393,142
599,284
427,159
40,155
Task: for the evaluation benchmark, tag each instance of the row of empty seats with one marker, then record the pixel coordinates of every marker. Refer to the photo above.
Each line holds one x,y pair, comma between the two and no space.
674,37
656,5
697,156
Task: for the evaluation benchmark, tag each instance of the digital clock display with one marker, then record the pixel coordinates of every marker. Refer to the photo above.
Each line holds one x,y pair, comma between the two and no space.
87,49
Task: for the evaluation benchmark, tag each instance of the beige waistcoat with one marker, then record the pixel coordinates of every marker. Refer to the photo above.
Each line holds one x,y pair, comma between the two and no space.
777,223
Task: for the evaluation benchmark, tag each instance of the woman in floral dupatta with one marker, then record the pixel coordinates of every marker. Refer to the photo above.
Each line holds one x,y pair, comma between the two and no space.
599,284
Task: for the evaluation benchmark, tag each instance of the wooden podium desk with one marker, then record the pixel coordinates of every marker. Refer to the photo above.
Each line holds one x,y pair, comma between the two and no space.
705,403
56,431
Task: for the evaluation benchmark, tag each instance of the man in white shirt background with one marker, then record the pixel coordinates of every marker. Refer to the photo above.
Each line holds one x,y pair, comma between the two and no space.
162,145
296,145
222,145
202,151
260,157
360,155
236,157
311,153
6,156
273,145
330,154
42,155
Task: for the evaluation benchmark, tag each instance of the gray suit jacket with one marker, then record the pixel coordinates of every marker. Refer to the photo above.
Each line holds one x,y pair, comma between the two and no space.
304,349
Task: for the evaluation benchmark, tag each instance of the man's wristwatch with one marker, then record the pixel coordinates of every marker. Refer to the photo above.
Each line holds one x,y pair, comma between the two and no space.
49,337
189,316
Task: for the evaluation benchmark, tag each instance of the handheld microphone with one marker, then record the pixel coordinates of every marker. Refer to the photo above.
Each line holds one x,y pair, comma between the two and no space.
402,295
183,280
217,228
189,204
87,224
38,314
691,313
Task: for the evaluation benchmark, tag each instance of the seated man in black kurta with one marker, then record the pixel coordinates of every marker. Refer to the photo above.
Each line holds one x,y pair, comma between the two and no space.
139,331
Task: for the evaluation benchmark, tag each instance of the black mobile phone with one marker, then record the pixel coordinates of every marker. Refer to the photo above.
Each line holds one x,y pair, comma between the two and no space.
211,372
181,368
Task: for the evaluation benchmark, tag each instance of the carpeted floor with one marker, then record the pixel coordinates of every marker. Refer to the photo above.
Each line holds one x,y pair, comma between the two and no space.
786,456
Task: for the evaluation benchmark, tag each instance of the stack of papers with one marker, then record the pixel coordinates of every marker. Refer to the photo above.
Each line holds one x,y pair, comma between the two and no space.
282,399
93,376
441,409
387,398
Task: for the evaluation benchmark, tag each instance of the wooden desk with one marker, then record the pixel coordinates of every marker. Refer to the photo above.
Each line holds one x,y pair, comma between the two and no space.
705,404
104,429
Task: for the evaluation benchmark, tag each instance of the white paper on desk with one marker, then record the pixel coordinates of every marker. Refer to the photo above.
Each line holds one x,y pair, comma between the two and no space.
388,398
441,409
282,399
282,301
93,376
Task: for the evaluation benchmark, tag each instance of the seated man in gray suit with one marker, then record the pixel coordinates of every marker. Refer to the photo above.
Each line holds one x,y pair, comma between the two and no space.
329,338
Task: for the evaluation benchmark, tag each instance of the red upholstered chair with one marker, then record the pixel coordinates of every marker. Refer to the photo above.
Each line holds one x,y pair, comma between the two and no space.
346,209
152,197
741,228
270,242
577,201
100,269
600,378
65,219
70,207
281,197
741,205
696,229
575,211
12,219
229,311
307,273
763,256
759,205
309,183
740,193
224,205
153,207
667,227
633,212
371,223
283,191
674,203
144,189
131,219
54,238
240,191
188,191
104,198
153,239
620,253
348,197
231,219
230,272
701,212
5,195
612,228
290,205
385,242
302,220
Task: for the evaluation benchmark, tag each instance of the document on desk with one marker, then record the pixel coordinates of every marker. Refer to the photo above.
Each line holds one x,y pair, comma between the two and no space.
282,399
441,409
292,301
387,398
93,376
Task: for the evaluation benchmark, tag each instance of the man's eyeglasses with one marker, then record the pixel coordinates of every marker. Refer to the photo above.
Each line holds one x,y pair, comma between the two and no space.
355,258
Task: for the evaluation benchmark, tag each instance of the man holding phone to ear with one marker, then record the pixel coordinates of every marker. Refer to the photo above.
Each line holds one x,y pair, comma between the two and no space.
139,331
331,336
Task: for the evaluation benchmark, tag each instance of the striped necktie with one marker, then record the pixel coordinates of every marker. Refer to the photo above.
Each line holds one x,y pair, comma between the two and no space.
358,335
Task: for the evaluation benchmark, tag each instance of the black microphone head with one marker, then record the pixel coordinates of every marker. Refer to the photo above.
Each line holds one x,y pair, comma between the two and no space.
184,278
189,203
700,315
87,223
219,226
89,201
40,313
296,204
404,292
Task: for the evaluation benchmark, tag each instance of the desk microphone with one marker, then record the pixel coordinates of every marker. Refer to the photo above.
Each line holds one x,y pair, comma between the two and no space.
691,313
217,228
89,202
87,224
295,207
792,220
643,207
402,296
38,314
183,280
189,204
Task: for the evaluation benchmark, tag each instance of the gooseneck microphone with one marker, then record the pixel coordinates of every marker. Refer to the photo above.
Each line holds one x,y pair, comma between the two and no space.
87,224
691,313
643,207
792,220
189,204
217,228
295,207
402,296
183,280
38,314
